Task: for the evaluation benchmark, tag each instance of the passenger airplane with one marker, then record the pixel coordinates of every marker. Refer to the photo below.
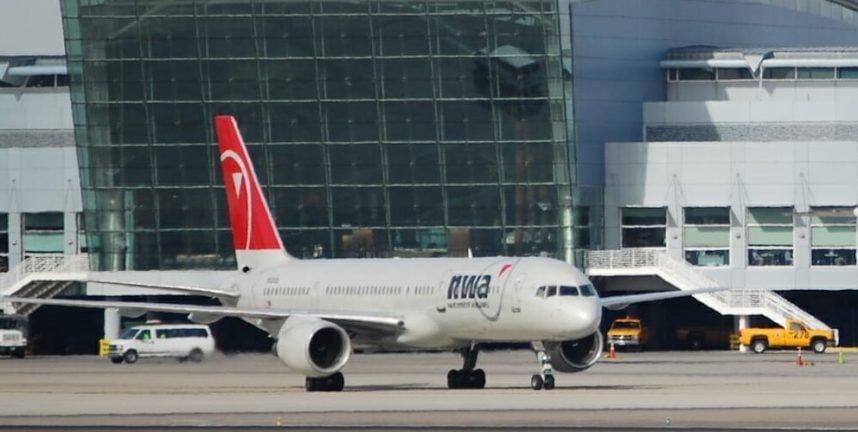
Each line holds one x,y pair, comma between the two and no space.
319,310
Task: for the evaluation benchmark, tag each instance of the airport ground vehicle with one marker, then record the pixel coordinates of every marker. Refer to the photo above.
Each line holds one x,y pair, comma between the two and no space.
628,332
13,335
794,334
183,341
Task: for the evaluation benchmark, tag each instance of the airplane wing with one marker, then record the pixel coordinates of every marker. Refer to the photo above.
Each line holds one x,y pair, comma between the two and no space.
348,320
620,302
179,288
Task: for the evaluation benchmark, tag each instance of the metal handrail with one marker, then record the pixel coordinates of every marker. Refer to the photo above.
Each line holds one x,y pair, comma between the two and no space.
730,302
43,264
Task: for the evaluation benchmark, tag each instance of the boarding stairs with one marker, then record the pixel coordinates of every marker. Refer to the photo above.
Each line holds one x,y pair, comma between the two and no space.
684,276
41,276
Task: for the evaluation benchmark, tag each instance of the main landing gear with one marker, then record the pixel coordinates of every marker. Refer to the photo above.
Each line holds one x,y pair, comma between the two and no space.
545,378
467,377
331,383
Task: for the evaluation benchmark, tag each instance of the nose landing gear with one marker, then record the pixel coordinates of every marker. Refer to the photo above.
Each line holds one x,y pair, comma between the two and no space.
467,377
545,378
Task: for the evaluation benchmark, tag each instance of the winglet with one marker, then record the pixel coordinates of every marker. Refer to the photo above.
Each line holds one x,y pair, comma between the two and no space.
254,234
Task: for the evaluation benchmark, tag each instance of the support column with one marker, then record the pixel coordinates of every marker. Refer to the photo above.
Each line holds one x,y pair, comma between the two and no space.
112,323
742,322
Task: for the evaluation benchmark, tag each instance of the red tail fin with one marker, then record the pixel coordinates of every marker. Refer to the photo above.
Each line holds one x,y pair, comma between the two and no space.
255,237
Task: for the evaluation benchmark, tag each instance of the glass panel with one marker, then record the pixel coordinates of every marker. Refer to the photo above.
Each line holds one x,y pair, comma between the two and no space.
299,207
707,216
413,163
471,163
707,236
643,237
708,258
770,236
725,74
43,221
779,73
697,74
416,206
644,216
419,242
832,216
770,215
770,257
832,236
300,164
847,73
816,73
473,205
833,257
43,243
358,206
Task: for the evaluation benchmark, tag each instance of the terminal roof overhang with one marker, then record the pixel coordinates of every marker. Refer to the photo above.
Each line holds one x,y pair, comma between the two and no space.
756,59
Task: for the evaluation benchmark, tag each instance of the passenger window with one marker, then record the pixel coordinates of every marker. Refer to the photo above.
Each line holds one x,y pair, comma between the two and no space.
540,292
552,291
796,327
568,291
587,290
161,334
144,335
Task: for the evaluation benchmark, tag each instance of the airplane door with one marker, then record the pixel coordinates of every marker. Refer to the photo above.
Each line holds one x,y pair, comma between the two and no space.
441,295
519,290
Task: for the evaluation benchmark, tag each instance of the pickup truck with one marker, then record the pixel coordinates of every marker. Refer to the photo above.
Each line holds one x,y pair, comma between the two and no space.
794,334
628,332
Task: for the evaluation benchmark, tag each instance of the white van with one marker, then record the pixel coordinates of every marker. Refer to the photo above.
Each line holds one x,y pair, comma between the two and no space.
183,341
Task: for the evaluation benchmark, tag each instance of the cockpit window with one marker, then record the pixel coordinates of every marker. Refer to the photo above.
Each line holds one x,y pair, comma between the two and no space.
552,291
568,290
587,290
540,292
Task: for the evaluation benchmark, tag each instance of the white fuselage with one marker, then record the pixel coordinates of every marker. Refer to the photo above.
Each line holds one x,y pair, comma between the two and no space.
444,302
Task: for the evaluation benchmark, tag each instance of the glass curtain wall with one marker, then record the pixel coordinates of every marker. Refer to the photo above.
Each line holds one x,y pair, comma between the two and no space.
378,128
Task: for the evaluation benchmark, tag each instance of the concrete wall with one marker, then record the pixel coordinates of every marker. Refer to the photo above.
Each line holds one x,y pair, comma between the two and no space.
31,27
35,108
618,45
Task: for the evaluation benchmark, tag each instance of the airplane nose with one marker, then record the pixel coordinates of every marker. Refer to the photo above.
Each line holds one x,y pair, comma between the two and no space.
589,316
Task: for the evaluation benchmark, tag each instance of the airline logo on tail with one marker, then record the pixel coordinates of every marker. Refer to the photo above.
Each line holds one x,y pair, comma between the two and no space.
252,225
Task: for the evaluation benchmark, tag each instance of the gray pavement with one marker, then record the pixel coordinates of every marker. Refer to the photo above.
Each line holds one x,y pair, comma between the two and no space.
680,391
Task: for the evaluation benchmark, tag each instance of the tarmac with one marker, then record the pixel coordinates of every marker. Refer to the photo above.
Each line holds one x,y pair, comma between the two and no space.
706,390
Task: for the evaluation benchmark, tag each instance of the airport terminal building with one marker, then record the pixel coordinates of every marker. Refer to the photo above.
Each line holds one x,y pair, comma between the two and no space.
717,139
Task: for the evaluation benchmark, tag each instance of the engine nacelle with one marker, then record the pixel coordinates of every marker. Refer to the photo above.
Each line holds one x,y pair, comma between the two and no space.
576,355
313,347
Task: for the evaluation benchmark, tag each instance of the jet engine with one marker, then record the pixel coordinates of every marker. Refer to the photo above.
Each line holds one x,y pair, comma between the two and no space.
576,355
313,347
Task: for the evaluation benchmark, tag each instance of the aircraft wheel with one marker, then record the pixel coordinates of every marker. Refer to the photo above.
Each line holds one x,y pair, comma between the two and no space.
479,380
335,382
548,382
536,382
454,379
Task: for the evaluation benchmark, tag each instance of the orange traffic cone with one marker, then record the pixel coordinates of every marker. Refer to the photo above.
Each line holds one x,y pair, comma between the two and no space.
612,352
798,360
